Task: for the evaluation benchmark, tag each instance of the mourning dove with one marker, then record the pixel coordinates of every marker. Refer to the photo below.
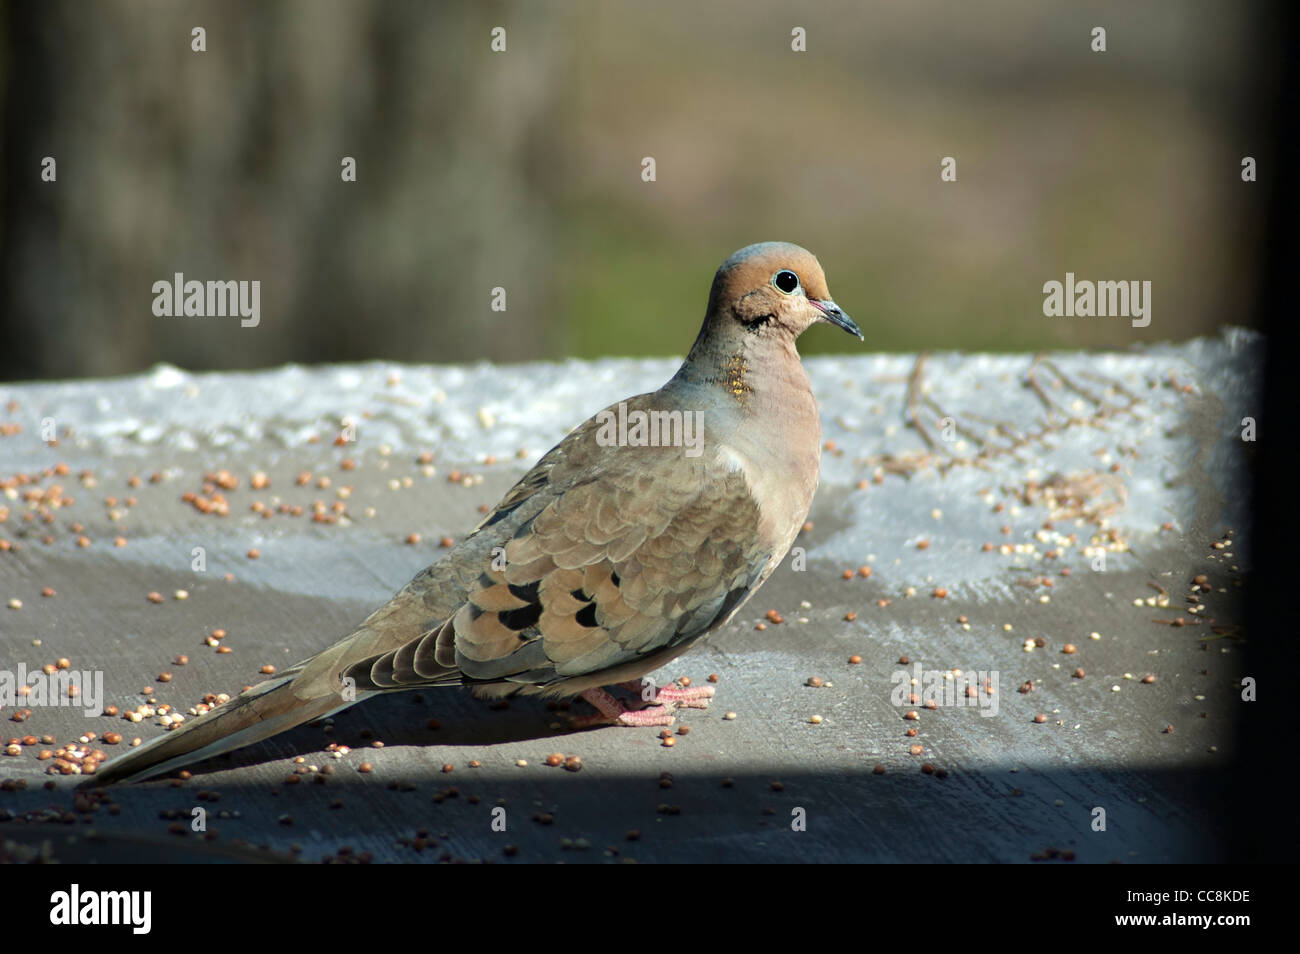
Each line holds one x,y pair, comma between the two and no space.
642,531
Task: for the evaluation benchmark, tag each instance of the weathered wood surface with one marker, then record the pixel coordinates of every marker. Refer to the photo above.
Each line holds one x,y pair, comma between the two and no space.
1138,454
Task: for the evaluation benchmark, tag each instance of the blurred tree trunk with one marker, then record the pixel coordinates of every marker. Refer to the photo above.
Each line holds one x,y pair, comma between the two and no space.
225,165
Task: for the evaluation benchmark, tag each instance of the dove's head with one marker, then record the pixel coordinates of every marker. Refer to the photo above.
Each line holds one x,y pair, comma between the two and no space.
773,289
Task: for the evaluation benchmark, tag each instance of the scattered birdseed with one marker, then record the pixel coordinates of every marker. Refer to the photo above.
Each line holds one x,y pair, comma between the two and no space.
815,719
729,716
1148,679
1040,718
814,681
365,768
854,660
1069,649
878,769
669,742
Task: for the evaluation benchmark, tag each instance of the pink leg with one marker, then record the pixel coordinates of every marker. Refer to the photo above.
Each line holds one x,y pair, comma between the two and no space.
616,712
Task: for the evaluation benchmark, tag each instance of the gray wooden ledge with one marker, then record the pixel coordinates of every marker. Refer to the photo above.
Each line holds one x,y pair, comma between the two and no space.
1052,460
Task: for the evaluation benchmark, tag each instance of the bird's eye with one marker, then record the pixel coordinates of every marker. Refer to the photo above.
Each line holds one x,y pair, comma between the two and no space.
786,280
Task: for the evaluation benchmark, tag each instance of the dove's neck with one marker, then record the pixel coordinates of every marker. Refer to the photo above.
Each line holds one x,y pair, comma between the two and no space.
757,401
760,418
758,375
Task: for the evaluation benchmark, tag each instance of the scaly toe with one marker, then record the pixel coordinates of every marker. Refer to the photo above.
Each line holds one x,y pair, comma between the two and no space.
653,715
691,697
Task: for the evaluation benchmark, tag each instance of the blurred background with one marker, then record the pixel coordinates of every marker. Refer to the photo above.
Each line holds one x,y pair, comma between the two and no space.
522,169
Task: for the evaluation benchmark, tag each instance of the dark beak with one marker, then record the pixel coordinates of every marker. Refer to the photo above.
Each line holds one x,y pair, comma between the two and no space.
837,317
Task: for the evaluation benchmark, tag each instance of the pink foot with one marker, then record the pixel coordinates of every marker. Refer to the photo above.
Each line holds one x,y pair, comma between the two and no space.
616,712
690,697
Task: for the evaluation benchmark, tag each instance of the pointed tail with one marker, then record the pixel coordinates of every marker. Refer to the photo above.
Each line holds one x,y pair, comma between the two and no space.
268,708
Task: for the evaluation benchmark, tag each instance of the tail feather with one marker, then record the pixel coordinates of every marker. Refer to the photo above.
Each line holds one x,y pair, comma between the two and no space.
312,689
266,709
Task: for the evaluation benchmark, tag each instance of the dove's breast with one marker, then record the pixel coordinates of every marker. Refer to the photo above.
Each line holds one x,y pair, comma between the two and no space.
783,479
